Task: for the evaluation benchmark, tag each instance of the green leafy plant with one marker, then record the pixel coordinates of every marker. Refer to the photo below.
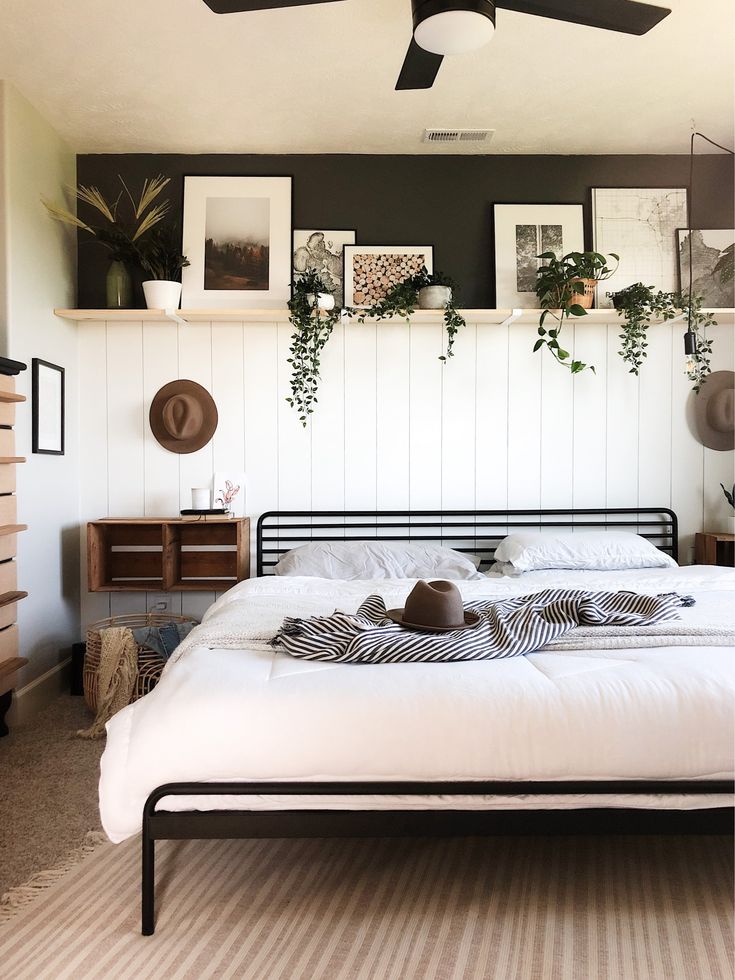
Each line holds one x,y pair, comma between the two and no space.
401,301
729,495
638,304
312,329
121,230
559,285
159,254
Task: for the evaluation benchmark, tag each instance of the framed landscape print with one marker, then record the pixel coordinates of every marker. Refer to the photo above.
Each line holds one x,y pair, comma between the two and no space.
322,252
371,271
640,225
522,233
47,417
713,264
237,237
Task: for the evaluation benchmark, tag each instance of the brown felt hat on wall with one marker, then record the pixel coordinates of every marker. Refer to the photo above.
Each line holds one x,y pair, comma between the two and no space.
434,607
715,411
183,416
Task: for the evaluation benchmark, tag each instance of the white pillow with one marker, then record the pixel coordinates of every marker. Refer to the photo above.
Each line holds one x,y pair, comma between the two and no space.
377,559
591,550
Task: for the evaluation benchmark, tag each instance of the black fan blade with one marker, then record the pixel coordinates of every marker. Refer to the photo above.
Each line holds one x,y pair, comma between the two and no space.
244,6
625,16
419,68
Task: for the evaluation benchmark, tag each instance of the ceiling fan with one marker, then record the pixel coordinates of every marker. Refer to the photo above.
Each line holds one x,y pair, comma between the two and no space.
442,27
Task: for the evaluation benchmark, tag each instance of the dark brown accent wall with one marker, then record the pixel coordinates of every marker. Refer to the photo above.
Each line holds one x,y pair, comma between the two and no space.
445,201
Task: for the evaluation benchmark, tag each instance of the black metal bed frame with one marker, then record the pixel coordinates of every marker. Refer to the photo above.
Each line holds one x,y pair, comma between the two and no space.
476,532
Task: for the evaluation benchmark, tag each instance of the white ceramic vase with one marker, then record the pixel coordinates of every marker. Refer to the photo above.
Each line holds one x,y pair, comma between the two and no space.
161,294
434,297
325,301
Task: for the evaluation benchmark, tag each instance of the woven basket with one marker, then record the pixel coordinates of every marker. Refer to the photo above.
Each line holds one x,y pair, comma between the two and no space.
150,663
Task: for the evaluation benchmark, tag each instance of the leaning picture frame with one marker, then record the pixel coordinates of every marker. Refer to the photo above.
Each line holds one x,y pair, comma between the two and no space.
322,251
522,233
371,271
48,408
237,237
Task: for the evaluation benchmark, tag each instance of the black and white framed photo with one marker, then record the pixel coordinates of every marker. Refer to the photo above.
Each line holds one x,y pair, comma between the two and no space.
522,233
237,237
322,252
640,225
47,392
713,265
371,271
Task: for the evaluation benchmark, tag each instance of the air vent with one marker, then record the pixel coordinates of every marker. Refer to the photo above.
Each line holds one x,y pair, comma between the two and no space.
458,135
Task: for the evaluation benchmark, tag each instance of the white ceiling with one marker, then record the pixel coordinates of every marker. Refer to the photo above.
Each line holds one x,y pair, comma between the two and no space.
169,75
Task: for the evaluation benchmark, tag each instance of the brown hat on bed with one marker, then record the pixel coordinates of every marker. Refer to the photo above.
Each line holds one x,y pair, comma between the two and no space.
435,607
715,411
183,416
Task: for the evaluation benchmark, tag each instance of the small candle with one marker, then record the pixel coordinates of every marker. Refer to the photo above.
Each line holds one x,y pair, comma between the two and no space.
200,498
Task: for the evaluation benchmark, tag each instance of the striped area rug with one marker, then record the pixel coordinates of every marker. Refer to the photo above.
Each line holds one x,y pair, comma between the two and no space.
521,908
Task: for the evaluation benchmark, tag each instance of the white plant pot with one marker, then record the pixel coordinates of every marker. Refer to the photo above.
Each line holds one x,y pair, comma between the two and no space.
161,294
325,301
434,297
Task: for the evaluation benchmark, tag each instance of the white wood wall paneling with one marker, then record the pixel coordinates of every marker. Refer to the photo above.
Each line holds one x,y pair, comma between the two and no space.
425,419
496,426
718,466
491,416
392,432
328,429
621,426
589,344
260,398
93,422
458,435
655,412
524,417
359,417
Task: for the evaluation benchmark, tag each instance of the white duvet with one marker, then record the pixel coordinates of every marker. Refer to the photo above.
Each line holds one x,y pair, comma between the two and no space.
242,711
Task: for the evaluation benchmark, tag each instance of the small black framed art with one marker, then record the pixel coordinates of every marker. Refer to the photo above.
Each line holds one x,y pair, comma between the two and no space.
48,411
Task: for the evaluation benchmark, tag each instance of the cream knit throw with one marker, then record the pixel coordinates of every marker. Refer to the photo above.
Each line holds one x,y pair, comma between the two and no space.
116,677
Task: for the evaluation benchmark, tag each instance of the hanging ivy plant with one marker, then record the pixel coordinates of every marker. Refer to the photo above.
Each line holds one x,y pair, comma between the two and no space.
560,284
312,329
401,301
638,305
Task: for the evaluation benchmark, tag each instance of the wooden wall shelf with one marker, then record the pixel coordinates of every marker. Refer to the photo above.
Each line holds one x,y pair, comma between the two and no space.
11,396
184,317
167,555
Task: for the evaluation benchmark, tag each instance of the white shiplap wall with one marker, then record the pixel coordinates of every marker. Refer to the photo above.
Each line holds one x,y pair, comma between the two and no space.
498,426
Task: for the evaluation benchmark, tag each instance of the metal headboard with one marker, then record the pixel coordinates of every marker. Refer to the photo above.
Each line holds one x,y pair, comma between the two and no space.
477,532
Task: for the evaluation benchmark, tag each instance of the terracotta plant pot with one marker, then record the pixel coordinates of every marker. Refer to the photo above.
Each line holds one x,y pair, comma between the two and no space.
587,298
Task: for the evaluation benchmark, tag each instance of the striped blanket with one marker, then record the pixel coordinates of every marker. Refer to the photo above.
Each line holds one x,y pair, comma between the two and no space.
507,628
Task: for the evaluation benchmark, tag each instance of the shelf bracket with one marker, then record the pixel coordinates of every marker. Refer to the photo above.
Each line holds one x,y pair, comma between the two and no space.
514,315
173,315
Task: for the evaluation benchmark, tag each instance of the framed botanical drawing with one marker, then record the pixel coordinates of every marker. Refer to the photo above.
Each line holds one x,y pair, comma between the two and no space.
237,237
47,417
640,225
713,266
371,271
522,233
322,252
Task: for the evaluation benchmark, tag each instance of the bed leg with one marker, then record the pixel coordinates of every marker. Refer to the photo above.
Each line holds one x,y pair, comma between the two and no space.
148,884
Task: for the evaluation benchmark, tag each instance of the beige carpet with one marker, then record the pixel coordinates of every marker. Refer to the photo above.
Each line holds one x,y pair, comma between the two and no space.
48,795
523,908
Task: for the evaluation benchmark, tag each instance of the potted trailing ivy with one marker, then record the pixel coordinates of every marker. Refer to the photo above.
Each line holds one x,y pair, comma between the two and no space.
428,291
313,320
637,305
159,256
119,233
564,291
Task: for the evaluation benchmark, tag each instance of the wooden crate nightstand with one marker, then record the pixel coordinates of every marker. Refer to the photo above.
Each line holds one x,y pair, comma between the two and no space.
714,549
167,555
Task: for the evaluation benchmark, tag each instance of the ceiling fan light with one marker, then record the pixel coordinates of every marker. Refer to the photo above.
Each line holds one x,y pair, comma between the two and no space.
454,32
